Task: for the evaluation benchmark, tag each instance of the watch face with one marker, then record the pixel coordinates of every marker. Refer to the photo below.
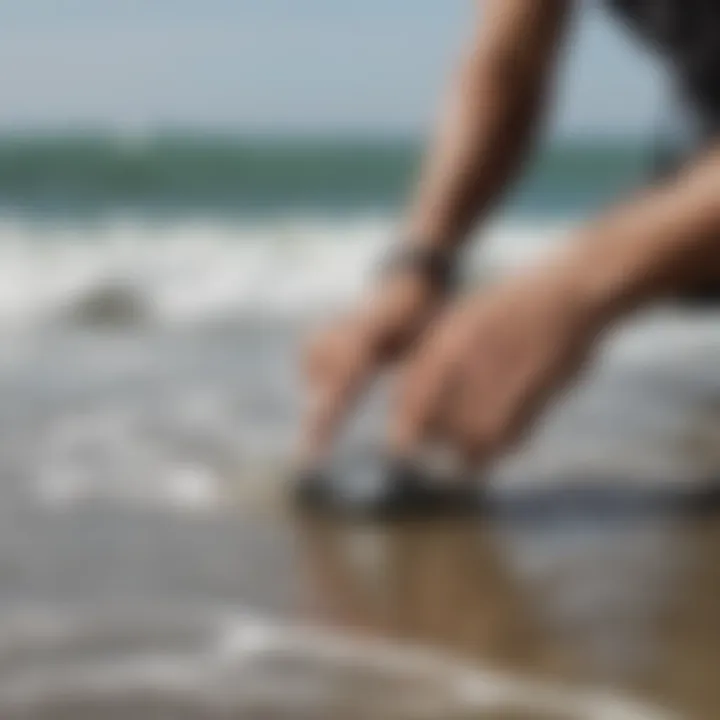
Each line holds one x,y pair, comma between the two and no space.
438,266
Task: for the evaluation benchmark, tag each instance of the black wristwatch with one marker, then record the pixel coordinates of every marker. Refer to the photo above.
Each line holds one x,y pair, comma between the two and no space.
436,265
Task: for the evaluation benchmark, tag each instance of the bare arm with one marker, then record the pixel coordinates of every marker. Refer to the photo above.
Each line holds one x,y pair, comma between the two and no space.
667,241
485,374
494,109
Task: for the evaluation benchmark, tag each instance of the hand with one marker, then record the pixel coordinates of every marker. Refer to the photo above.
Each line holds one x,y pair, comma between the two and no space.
489,366
342,359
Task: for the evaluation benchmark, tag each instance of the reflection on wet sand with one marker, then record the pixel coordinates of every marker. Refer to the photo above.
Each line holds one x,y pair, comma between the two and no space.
628,605
434,584
138,472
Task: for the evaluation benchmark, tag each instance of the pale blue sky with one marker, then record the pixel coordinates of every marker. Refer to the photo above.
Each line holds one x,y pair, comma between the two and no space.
280,65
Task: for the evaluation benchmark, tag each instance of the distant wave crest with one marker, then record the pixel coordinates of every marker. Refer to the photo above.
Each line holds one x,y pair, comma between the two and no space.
132,271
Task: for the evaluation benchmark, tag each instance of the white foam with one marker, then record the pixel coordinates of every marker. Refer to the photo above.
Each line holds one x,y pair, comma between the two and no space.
110,458
190,271
227,658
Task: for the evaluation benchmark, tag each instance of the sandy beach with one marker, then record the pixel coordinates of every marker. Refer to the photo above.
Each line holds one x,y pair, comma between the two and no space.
143,477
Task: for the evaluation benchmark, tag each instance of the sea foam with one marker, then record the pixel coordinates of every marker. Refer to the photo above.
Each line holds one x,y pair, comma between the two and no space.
189,271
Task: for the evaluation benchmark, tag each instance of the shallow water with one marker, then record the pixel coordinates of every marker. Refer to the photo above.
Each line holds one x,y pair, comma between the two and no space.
140,505
229,666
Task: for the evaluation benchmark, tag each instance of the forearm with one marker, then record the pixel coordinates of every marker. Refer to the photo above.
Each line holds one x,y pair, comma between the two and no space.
665,242
479,149
487,130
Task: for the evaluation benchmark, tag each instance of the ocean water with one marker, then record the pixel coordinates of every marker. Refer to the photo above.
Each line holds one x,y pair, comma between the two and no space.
154,294
177,229
245,177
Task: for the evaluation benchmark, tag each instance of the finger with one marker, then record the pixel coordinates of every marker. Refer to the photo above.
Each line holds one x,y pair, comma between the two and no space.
319,354
459,431
474,422
481,434
331,400
419,403
494,427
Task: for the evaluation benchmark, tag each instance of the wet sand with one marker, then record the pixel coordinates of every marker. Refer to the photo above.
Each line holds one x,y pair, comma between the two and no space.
624,605
628,607
171,513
